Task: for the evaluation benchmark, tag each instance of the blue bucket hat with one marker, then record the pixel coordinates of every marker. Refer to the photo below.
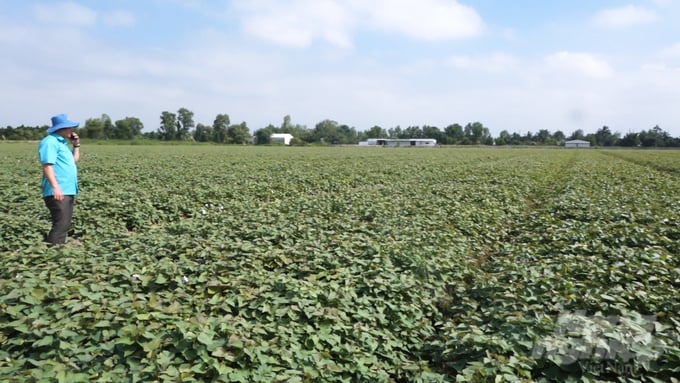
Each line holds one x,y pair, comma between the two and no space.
61,121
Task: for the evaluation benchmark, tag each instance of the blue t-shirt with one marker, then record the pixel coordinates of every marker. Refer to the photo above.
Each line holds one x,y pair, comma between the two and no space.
54,150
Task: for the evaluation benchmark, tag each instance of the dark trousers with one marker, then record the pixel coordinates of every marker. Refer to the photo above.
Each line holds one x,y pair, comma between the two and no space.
61,212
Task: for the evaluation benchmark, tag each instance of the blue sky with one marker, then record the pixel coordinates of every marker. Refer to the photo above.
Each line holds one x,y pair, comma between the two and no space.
519,65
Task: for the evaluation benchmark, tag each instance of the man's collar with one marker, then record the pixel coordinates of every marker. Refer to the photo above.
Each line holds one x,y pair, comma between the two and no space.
58,137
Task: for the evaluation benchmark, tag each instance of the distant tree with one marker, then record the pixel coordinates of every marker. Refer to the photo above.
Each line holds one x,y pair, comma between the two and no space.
327,131
395,132
376,132
503,138
577,135
238,134
185,123
558,137
37,132
348,135
264,136
127,128
330,132
203,133
7,133
675,142
287,125
433,132
454,134
300,133
413,132
94,128
219,128
590,137
152,135
515,139
297,141
22,133
108,127
655,137
476,133
168,129
630,140
543,137
604,137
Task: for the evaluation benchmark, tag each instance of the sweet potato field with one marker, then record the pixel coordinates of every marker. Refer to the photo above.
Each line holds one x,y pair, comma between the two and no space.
344,264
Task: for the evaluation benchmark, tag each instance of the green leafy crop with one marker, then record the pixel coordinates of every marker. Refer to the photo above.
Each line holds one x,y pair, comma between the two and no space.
271,264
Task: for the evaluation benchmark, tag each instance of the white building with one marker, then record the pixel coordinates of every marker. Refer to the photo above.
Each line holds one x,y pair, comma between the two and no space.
283,138
577,144
405,142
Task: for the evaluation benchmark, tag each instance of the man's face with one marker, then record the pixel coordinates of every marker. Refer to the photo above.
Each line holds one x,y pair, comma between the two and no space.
65,132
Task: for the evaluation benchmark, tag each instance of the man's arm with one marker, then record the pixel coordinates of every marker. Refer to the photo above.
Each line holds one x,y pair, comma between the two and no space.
52,179
75,141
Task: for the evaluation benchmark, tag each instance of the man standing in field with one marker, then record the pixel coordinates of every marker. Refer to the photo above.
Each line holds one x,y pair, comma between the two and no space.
60,175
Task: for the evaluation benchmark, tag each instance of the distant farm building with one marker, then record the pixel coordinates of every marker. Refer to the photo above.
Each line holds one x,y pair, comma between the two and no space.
401,142
577,144
281,138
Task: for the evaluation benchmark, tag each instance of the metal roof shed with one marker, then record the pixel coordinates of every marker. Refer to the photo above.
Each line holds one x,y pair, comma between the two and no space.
577,144
281,138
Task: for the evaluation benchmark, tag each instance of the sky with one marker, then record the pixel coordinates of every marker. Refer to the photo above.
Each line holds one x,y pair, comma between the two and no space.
520,65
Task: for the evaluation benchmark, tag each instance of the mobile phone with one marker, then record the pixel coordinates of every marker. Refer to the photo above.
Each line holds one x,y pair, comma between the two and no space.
73,134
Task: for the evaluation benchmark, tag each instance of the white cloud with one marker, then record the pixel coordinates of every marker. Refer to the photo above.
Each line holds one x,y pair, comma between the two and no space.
300,22
296,23
65,14
424,19
671,52
70,14
583,64
623,17
119,19
492,63
663,3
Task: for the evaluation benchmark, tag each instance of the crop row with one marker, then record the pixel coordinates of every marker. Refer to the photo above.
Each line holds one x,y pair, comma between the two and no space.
200,263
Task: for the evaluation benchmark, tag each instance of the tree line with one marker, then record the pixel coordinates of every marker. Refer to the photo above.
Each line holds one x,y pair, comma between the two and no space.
180,126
